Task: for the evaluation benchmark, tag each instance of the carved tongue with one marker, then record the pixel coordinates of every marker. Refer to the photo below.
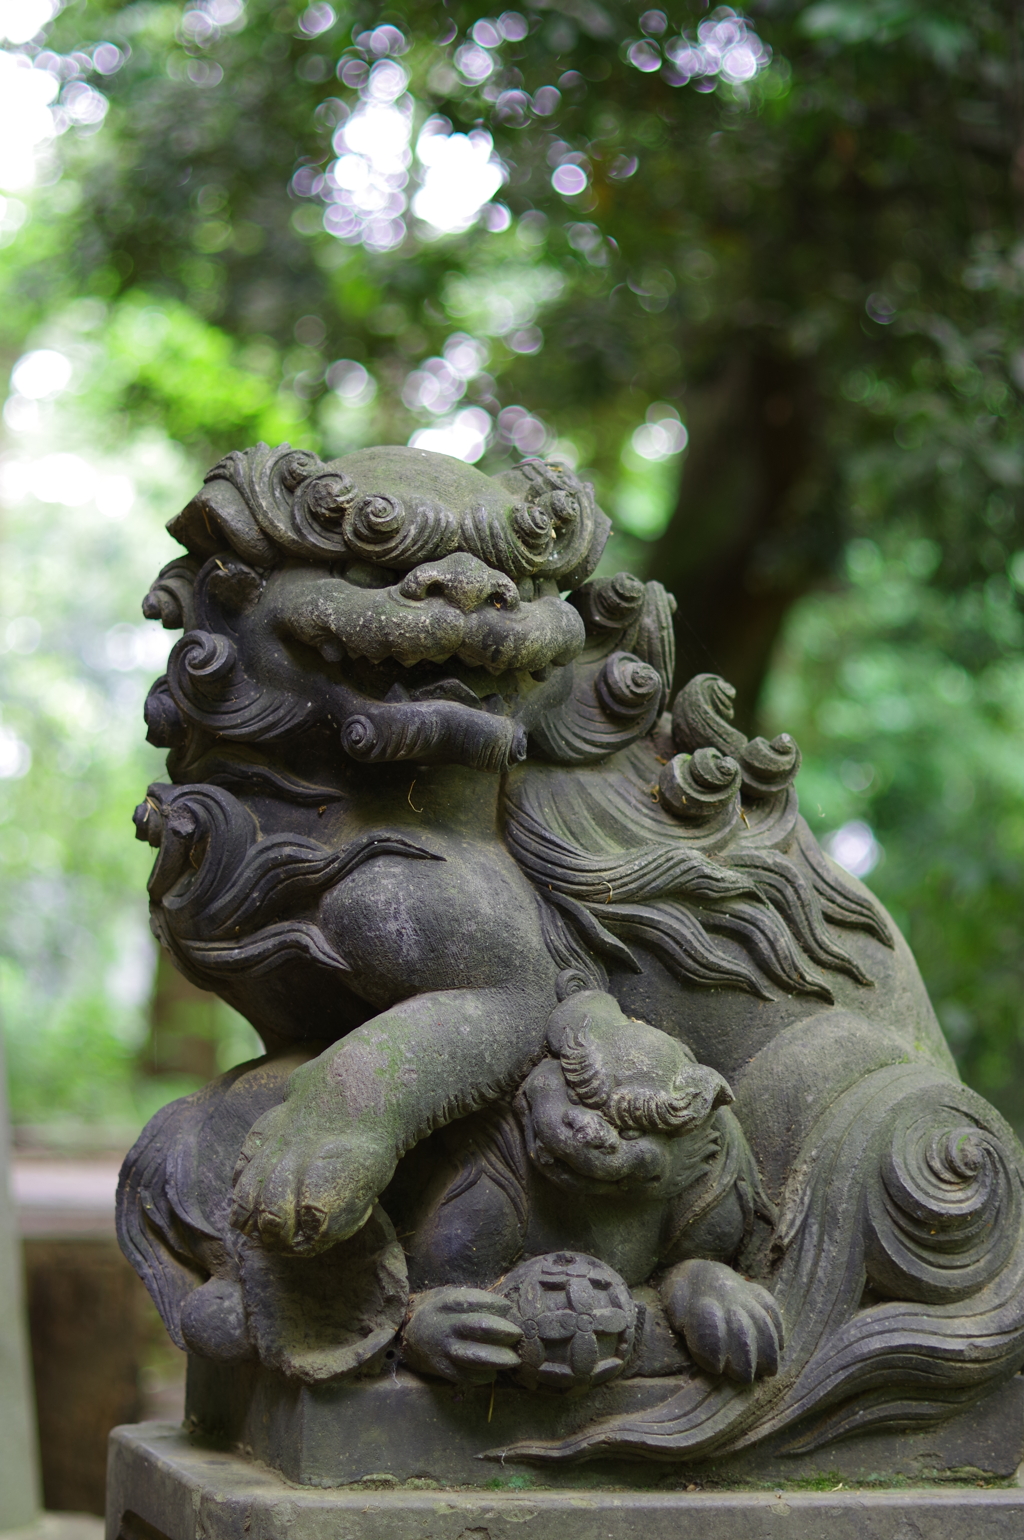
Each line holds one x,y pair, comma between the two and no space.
433,731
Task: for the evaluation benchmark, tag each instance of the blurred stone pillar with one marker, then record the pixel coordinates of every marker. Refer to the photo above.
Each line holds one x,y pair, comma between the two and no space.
19,1467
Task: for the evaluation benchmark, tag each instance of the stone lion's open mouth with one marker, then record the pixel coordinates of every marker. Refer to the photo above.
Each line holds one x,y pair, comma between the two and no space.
449,687
443,720
449,679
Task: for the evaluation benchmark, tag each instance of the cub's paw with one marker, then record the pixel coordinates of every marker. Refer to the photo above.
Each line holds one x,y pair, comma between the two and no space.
731,1326
300,1186
461,1334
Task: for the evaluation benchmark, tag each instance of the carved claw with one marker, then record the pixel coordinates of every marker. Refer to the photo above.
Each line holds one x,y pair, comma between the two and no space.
461,1334
731,1326
298,1191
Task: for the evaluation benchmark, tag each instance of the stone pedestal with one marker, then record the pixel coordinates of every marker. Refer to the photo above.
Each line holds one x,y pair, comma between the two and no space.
164,1485
409,1429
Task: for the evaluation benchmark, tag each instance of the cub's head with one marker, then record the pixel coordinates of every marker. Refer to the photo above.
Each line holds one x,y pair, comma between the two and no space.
607,1113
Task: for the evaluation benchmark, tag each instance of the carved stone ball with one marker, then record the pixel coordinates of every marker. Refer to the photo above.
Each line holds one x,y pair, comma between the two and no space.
578,1320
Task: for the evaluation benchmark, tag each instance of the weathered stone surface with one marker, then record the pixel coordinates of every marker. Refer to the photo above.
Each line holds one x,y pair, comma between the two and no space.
587,1072
162,1487
412,1429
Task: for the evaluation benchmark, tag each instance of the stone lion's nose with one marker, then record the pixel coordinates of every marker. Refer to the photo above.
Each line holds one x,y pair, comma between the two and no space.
464,581
590,1128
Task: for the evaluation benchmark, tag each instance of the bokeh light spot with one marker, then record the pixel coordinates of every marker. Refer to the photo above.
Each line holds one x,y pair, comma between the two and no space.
40,374
569,180
464,436
854,847
461,174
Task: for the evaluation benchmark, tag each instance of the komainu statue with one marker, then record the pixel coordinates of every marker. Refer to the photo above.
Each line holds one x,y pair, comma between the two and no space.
583,1061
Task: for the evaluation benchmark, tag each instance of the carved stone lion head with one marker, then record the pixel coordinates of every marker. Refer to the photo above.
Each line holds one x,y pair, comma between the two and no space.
402,605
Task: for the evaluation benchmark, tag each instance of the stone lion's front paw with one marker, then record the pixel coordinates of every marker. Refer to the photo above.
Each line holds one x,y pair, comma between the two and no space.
461,1334
301,1188
731,1326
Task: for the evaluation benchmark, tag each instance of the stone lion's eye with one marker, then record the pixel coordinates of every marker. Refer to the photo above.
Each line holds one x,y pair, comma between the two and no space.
629,1133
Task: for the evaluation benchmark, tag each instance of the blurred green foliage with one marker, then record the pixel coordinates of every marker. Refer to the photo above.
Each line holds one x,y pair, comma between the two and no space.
810,257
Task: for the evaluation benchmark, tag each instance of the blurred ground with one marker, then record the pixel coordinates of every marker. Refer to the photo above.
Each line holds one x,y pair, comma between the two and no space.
60,1526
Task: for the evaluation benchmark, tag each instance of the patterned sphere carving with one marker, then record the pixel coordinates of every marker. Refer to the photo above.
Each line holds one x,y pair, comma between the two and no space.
578,1318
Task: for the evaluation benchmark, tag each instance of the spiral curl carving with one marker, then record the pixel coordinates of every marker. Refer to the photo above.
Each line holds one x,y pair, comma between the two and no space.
204,657
618,600
568,505
532,526
359,737
769,768
702,717
944,1214
704,785
627,686
611,605
515,542
374,523
320,503
295,467
170,599
165,725
383,529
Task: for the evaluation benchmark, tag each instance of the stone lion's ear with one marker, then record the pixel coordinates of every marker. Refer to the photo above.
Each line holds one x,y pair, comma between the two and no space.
218,519
704,1089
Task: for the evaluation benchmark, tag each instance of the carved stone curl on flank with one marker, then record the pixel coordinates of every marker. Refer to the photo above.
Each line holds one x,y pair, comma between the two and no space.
702,717
639,873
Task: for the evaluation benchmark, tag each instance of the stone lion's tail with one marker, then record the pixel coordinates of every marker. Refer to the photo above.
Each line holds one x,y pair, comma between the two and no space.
917,1183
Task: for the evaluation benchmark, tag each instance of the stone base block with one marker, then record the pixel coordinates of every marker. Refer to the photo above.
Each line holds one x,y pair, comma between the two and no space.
162,1485
409,1428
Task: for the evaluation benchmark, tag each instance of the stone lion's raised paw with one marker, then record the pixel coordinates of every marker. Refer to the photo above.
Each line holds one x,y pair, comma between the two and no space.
301,1188
731,1326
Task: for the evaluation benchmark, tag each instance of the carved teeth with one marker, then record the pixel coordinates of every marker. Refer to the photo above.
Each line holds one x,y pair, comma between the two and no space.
447,689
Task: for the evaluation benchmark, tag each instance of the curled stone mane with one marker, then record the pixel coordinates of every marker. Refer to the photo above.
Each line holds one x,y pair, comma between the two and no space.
609,850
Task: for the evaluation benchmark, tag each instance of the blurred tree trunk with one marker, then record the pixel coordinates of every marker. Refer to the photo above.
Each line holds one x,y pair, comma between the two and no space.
183,1028
755,526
